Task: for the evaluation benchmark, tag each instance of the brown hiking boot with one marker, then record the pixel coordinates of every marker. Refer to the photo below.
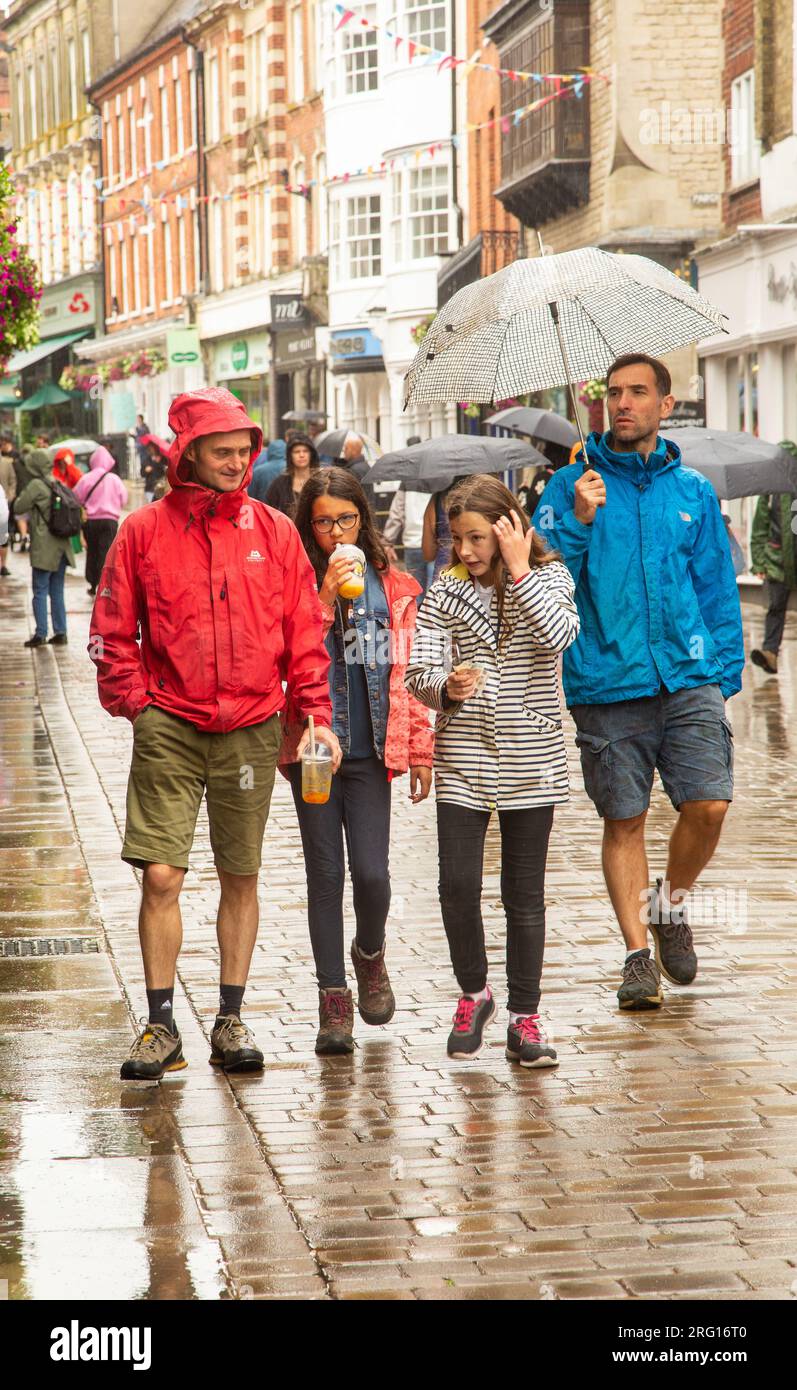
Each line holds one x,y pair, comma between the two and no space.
768,661
336,1021
375,1000
155,1051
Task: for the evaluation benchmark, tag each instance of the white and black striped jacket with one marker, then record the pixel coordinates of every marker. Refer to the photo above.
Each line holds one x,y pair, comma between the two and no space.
502,749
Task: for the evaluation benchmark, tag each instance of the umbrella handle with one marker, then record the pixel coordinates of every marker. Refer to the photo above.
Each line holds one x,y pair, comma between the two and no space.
554,310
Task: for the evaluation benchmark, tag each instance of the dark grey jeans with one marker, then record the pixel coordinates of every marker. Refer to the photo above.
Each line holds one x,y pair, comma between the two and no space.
524,849
359,810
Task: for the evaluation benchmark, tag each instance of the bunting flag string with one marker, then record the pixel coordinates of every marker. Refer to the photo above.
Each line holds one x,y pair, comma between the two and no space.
181,201
448,61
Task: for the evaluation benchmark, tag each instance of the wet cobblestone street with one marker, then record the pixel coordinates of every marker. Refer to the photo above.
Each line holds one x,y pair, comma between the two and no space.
658,1161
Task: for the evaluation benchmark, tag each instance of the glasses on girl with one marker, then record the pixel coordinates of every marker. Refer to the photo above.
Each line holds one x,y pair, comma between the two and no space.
345,522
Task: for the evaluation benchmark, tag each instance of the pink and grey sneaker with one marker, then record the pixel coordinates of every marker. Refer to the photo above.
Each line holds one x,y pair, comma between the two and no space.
527,1044
470,1021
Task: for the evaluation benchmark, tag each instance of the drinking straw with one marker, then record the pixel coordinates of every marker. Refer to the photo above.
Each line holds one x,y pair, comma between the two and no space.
311,722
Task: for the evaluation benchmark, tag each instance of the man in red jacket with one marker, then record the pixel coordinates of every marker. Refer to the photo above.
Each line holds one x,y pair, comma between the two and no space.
219,591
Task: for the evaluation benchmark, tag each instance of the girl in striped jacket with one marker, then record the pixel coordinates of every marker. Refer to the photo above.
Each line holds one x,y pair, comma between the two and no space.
485,656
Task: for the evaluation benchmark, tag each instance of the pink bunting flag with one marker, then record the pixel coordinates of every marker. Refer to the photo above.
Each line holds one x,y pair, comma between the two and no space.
345,16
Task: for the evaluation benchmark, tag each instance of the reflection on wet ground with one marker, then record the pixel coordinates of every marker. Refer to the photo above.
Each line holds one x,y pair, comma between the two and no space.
657,1161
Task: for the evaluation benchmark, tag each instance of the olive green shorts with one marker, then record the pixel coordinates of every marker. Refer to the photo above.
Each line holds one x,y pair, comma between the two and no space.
173,766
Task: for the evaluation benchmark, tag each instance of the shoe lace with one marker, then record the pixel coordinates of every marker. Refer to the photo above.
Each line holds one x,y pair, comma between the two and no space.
147,1039
464,1014
336,1006
636,967
236,1030
529,1029
680,934
373,972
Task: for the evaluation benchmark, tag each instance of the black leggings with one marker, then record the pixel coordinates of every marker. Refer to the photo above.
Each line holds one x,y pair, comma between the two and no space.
524,849
99,537
359,807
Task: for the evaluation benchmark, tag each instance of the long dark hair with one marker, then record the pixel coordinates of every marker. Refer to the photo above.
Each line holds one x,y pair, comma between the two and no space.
341,484
305,441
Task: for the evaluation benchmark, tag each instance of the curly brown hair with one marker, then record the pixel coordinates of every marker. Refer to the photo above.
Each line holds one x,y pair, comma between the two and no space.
339,483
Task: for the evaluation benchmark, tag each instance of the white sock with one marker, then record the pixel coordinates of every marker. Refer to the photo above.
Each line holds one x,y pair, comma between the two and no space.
364,954
483,994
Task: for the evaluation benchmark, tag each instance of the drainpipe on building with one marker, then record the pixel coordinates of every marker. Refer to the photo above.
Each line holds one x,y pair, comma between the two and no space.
201,163
100,234
454,150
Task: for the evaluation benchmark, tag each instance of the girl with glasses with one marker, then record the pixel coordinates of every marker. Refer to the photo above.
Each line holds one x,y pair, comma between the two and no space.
383,732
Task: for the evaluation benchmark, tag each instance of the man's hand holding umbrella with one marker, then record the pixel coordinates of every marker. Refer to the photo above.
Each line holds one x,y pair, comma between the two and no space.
590,494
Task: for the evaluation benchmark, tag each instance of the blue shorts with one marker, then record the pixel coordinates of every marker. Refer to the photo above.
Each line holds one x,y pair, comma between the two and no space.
685,734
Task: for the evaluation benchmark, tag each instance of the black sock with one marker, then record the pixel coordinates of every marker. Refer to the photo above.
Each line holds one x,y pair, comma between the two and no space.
231,997
161,1007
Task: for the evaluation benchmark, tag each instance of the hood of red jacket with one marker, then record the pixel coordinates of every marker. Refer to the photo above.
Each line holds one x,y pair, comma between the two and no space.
213,410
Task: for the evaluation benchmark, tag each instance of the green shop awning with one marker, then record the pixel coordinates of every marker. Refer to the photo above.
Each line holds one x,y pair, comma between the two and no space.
48,394
21,360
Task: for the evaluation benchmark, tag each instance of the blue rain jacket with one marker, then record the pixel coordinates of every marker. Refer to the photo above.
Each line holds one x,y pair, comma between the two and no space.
655,584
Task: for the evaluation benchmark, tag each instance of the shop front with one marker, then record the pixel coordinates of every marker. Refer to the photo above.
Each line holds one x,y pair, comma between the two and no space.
30,386
241,363
749,374
300,376
360,382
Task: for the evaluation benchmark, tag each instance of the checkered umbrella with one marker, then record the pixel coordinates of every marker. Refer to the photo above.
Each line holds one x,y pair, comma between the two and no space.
553,321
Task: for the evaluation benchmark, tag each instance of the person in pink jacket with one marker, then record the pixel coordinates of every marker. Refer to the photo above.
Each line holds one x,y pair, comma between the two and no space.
103,495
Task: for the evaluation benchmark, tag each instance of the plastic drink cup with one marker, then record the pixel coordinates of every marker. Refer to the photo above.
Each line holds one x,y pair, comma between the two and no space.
316,774
353,587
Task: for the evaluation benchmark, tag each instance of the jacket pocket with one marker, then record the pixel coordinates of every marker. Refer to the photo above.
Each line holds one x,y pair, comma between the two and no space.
540,720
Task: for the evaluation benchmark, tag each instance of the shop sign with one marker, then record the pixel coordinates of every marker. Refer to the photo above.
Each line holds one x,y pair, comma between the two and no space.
686,413
354,343
241,357
295,349
782,287
67,308
182,347
288,311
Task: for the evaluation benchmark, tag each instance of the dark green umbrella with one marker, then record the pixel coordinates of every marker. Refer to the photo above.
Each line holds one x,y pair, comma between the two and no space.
48,394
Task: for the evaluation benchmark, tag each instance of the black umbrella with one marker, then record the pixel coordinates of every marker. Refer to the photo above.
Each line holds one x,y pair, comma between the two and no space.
735,463
432,465
313,417
541,424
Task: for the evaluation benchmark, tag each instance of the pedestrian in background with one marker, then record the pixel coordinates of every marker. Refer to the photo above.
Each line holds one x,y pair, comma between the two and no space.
65,470
268,465
404,525
103,495
18,459
226,613
8,482
301,461
485,656
140,430
49,554
382,733
660,652
156,466
773,557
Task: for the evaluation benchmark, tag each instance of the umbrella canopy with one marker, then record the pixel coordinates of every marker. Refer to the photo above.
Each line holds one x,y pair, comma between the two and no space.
330,444
432,465
542,424
312,417
500,336
736,464
48,394
160,444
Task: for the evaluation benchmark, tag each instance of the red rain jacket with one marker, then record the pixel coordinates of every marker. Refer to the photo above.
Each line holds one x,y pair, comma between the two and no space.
222,591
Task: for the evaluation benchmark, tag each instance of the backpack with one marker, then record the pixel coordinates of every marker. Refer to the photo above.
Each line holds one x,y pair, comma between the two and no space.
63,521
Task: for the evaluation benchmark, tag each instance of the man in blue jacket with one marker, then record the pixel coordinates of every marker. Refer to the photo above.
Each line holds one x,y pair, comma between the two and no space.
660,651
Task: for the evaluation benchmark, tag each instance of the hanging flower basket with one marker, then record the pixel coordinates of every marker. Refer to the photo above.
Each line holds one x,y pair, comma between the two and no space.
470,409
593,390
420,330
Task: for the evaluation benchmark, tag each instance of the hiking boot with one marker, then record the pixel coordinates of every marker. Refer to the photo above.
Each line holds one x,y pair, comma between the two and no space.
35,642
675,954
336,1021
641,984
527,1044
233,1046
768,661
59,639
156,1050
470,1021
375,1001
4,572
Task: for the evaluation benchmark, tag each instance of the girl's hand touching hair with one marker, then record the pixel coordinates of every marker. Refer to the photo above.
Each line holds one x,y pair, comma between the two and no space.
514,546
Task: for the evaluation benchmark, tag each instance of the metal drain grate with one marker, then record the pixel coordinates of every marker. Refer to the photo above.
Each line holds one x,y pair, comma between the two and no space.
48,945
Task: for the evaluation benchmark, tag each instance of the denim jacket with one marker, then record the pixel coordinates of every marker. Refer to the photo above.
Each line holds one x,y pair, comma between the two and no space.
371,636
